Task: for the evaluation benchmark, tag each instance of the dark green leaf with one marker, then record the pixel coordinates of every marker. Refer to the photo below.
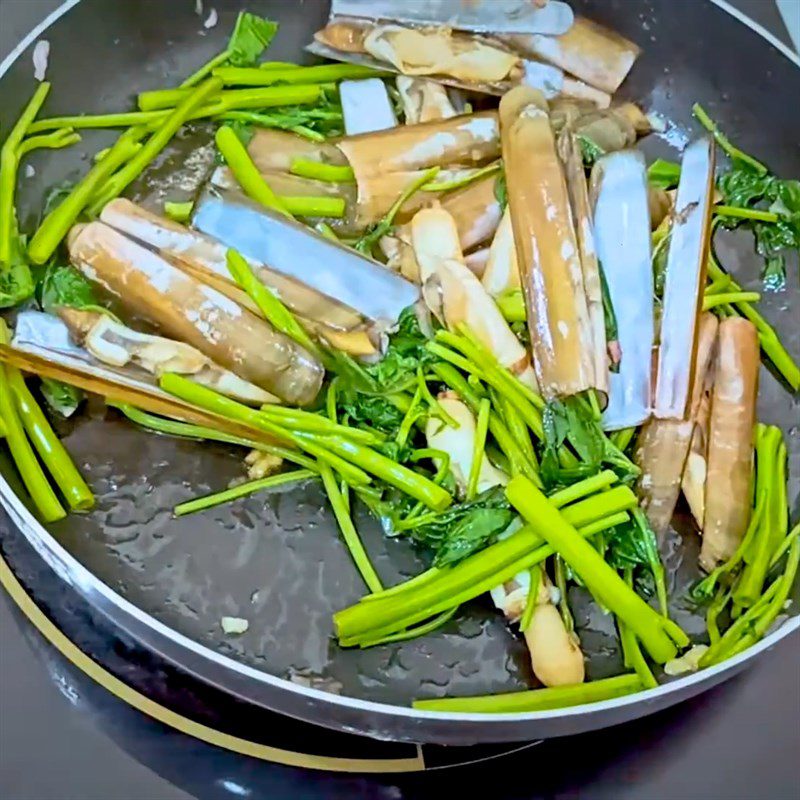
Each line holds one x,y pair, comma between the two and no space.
16,281
251,36
590,150
61,397
65,286
372,410
467,527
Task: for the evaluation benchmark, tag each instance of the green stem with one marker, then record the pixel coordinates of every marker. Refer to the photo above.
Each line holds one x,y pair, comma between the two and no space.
722,140
512,305
244,489
599,577
623,438
124,119
330,173
298,420
478,447
466,180
324,73
51,451
273,310
402,478
57,223
414,632
785,545
746,213
273,121
178,211
499,430
474,575
9,164
63,137
161,99
413,413
323,229
206,69
532,598
223,406
349,532
715,608
314,206
162,135
547,699
42,494
246,172
634,658
187,430
563,601
710,301
584,488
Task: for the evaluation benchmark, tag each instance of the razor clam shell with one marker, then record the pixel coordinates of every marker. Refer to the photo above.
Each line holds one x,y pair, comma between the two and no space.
622,241
196,249
294,250
366,106
685,280
499,16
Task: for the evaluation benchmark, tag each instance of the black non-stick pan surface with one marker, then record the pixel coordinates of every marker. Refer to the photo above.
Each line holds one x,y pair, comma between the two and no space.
276,559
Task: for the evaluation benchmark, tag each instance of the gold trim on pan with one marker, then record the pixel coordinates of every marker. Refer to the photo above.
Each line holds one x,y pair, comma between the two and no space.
183,724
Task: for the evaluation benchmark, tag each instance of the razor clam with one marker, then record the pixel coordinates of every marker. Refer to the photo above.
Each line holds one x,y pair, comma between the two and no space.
502,272
463,297
663,444
274,150
622,240
204,257
42,345
685,280
296,251
569,151
186,309
590,52
117,345
423,100
730,441
468,140
547,248
366,106
498,16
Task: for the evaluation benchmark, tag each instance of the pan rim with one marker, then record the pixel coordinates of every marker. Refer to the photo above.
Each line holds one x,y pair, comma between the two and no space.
69,569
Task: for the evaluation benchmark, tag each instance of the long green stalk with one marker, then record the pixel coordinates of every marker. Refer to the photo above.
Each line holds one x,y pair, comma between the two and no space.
733,152
630,647
56,224
274,311
304,421
124,119
162,135
242,490
331,173
349,532
604,583
63,137
512,305
52,452
416,631
746,213
466,180
223,406
478,447
9,164
206,69
537,699
237,99
470,578
42,494
497,427
246,172
314,205
535,576
187,430
722,298
324,73
412,483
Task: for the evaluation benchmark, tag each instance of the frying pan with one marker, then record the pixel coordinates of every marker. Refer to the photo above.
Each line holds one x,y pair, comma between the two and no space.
277,559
